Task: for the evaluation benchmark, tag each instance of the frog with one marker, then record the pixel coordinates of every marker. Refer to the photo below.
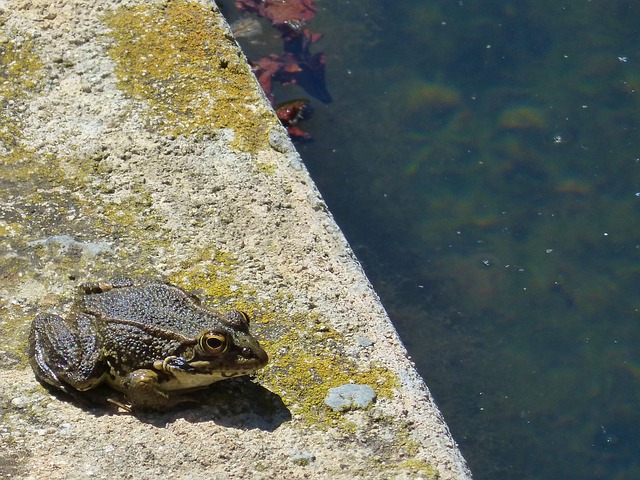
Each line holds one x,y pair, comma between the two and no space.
152,341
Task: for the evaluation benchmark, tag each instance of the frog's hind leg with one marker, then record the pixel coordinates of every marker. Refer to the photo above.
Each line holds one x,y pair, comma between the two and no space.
63,354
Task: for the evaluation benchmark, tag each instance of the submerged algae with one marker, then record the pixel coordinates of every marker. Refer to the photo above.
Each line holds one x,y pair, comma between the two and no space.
180,59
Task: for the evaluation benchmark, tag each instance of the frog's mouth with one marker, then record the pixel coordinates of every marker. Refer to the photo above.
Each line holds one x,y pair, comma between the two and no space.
202,373
231,365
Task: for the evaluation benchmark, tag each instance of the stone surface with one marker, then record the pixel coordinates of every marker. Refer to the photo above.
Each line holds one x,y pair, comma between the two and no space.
135,140
350,397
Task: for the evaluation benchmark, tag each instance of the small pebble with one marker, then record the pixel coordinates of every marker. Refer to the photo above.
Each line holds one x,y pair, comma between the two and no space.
279,141
364,341
18,401
350,397
64,429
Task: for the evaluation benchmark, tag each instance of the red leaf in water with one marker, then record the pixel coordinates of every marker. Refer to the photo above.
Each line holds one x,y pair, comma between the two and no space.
280,11
298,134
252,6
265,69
290,113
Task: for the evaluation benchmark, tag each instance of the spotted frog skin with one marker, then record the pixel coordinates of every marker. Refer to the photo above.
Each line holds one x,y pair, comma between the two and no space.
151,341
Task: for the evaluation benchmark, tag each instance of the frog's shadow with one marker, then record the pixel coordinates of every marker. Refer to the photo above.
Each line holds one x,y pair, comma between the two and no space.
236,402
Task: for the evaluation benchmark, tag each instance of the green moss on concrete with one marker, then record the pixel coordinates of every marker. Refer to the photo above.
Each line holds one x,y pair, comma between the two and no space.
209,272
308,359
19,73
266,168
14,317
179,59
419,469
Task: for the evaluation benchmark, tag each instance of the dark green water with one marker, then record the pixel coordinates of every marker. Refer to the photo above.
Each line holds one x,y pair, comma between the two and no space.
483,159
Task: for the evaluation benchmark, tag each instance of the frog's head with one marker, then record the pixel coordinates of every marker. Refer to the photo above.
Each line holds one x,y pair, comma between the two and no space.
232,351
224,351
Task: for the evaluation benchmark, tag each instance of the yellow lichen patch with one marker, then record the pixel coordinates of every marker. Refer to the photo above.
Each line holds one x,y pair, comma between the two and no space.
209,272
19,68
179,60
14,316
420,469
19,73
266,168
307,360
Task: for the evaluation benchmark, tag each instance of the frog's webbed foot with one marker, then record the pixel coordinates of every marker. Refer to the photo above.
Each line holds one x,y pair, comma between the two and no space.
65,355
142,392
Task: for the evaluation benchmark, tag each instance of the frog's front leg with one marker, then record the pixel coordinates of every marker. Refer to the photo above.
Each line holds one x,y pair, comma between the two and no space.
65,354
142,389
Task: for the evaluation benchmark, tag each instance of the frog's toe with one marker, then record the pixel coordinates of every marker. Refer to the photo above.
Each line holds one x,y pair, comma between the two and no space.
141,390
43,372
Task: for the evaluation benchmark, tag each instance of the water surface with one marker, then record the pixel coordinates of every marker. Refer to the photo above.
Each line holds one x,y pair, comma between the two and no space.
483,159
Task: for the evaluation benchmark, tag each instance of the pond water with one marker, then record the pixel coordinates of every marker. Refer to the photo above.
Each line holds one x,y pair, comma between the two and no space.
483,159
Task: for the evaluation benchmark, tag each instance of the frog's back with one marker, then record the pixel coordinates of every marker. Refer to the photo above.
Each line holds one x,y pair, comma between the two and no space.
156,305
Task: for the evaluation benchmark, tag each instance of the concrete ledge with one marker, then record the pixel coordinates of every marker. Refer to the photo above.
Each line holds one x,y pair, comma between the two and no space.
135,140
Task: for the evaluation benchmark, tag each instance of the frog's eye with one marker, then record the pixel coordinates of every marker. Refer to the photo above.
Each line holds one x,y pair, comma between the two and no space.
214,343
